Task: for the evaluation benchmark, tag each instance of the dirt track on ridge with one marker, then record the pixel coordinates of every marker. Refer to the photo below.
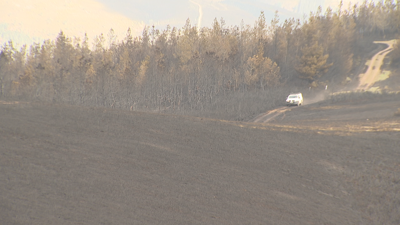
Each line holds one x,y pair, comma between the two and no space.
368,78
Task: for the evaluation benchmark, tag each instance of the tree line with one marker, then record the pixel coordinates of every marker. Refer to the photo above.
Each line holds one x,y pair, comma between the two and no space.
189,68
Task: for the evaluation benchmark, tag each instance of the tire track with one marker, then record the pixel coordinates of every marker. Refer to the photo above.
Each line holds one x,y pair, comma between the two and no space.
270,115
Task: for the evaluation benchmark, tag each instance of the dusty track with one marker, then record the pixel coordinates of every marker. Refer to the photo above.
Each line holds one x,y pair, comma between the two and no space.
368,78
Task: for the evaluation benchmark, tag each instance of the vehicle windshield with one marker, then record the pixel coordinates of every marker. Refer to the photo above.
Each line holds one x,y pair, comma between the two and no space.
293,96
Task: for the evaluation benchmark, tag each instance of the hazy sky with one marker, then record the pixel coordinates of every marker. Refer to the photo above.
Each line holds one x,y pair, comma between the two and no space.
26,21
233,11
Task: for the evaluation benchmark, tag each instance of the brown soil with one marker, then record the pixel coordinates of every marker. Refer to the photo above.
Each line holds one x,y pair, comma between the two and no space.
74,165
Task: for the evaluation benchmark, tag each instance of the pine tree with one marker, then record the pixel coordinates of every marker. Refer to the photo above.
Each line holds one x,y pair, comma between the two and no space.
261,70
112,39
395,55
6,58
313,63
129,38
63,59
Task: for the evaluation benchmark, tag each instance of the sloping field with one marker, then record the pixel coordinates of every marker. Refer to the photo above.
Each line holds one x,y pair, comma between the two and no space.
73,165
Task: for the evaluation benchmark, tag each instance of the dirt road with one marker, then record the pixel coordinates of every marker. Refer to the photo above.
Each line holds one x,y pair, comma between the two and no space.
371,76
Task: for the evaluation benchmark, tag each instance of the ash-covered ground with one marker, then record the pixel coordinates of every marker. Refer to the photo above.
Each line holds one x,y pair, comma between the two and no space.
332,162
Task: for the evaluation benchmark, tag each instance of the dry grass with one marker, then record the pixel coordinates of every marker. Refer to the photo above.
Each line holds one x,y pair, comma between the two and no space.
375,190
361,96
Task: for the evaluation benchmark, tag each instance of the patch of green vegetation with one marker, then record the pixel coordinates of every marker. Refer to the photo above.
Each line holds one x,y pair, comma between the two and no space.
384,75
374,90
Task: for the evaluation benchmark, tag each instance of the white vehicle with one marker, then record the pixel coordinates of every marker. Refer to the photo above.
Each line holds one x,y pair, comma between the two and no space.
294,99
